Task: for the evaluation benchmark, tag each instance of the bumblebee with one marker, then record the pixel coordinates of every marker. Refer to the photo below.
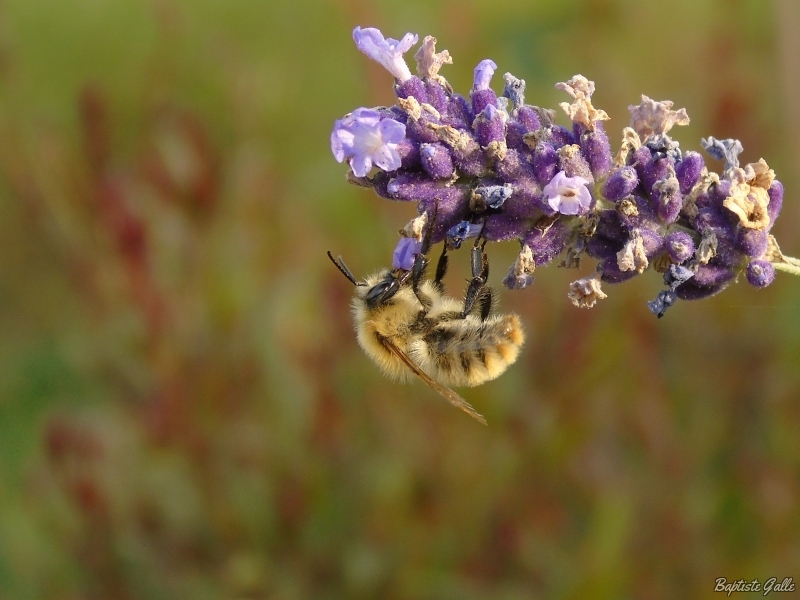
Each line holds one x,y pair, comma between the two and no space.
409,328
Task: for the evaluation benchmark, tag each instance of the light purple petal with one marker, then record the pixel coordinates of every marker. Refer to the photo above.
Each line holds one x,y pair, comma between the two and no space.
341,142
567,195
386,158
404,253
365,139
386,51
483,74
361,164
392,132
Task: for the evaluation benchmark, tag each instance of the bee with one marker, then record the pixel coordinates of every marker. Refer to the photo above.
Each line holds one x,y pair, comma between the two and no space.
409,328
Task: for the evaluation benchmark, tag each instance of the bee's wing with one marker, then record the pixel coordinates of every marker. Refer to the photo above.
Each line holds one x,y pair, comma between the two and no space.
444,391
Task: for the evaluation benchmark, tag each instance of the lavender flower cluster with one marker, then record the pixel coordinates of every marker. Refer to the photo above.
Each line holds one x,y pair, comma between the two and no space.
501,169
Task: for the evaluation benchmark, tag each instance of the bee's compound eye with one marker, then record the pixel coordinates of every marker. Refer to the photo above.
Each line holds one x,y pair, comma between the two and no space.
381,292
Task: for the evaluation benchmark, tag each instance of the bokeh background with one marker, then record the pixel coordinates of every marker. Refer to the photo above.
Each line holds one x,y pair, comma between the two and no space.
184,411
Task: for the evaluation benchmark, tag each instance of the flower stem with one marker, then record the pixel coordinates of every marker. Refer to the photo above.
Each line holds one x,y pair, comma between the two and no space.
792,261
790,265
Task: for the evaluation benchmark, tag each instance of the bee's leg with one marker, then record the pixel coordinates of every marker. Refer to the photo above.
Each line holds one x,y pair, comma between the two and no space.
421,262
417,273
441,269
480,274
485,302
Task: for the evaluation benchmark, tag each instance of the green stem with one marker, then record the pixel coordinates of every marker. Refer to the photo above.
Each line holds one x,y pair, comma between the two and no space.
792,261
788,267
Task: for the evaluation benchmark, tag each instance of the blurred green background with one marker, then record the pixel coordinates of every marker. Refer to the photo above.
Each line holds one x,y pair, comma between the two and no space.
184,411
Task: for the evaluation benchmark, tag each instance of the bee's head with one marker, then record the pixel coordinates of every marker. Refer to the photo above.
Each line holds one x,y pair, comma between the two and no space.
376,290
380,289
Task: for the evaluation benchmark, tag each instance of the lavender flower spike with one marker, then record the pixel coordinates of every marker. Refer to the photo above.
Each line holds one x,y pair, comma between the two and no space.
568,195
386,51
365,139
483,74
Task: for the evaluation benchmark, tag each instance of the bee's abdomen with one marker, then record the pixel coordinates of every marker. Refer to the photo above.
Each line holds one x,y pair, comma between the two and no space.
470,351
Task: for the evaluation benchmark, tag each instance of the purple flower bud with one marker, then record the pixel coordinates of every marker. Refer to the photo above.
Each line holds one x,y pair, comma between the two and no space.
460,232
775,193
408,151
655,169
601,247
437,95
365,139
680,246
545,162
412,87
546,246
436,160
717,194
560,136
691,291
413,186
572,162
751,242
688,171
515,132
513,166
419,131
489,126
481,99
597,150
501,227
452,207
610,226
458,113
526,200
387,52
404,253
727,150
728,253
667,199
613,274
760,273
638,159
711,275
710,217
652,242
568,195
640,213
528,118
620,184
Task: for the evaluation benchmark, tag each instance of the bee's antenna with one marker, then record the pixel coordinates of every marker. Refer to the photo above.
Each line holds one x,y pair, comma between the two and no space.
343,268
